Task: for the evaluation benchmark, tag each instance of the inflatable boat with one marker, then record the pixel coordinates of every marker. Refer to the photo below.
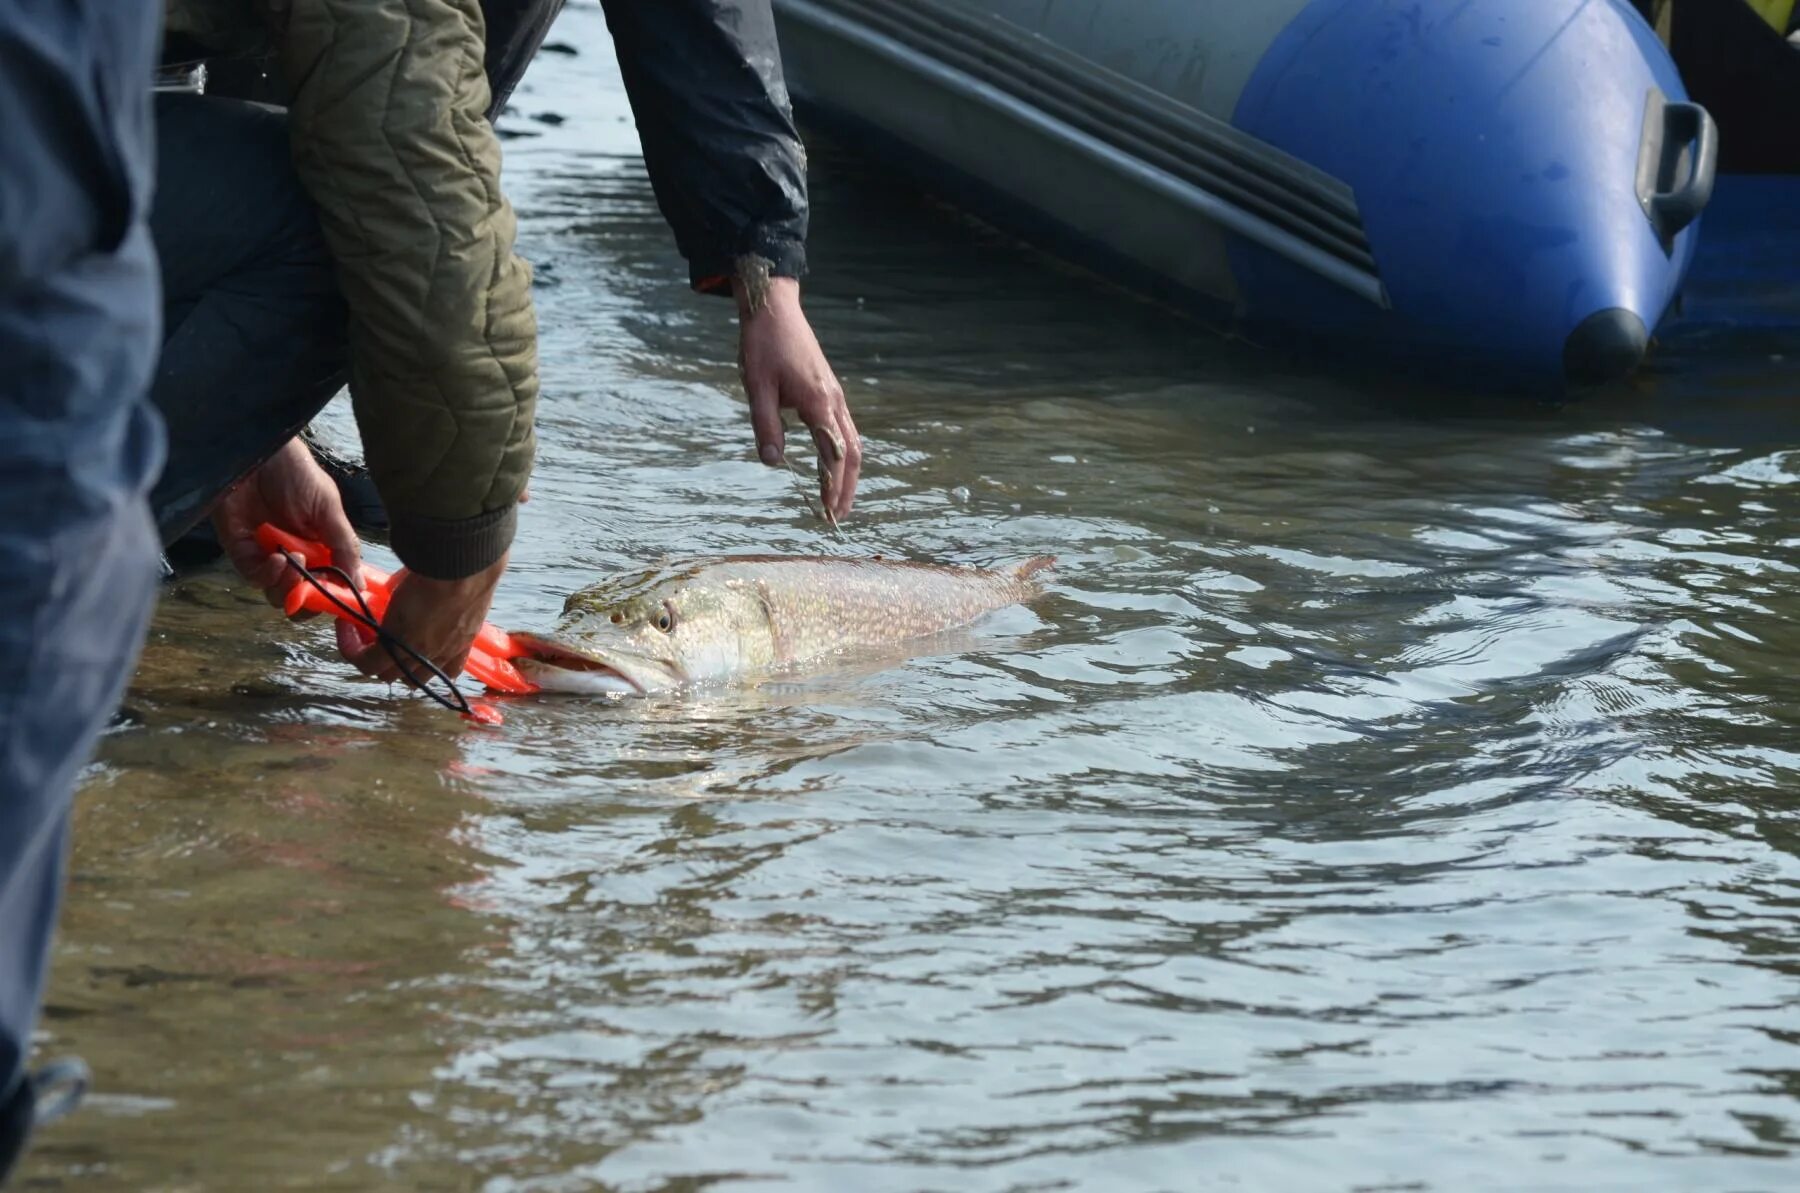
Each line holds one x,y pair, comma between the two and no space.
1487,191
1741,58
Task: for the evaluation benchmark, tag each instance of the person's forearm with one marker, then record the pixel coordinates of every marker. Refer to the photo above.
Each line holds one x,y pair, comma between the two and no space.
718,136
392,141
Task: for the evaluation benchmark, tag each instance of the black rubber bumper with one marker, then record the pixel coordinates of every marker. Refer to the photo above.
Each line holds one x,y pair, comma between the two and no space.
1604,347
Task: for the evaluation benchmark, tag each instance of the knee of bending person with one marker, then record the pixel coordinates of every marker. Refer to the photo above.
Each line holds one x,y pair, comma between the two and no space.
229,200
297,242
304,250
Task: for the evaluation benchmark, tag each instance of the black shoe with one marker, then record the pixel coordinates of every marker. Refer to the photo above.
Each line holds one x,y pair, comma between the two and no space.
195,549
362,504
44,1096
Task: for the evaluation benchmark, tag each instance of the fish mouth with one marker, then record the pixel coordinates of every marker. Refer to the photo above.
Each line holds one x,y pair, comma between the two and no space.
557,667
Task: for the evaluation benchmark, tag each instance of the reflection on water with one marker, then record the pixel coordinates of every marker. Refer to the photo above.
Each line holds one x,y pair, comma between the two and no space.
1385,795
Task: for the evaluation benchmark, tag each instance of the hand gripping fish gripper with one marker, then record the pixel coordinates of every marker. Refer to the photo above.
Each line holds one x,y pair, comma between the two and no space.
488,658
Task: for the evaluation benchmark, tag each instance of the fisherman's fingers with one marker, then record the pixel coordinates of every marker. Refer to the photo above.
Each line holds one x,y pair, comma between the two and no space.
259,569
765,414
352,638
849,467
372,659
335,531
270,573
840,449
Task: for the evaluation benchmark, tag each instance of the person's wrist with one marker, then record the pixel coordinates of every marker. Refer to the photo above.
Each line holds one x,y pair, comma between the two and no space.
465,587
765,295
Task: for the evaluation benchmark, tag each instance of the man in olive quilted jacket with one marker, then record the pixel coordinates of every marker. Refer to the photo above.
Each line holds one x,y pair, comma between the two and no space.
387,129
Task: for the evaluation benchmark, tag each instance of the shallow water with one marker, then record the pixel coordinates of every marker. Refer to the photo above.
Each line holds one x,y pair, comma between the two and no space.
1388,794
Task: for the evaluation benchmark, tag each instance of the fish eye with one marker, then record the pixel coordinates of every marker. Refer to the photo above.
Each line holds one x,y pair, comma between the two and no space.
665,621
617,617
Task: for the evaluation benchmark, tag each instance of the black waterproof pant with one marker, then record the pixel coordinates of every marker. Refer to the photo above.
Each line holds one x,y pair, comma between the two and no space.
255,336
79,446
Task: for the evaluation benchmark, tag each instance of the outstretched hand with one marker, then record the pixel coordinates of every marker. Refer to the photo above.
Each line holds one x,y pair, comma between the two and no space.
783,366
291,491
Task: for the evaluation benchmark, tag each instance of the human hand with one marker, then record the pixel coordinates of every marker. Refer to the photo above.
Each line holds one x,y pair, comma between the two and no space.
783,365
292,492
437,618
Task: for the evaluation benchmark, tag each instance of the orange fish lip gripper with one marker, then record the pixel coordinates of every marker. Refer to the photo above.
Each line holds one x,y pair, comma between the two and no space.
488,658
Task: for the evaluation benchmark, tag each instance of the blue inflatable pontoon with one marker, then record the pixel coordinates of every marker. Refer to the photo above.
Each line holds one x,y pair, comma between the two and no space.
1490,191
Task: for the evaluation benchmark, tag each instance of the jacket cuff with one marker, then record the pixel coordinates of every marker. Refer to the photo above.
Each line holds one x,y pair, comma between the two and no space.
452,550
713,274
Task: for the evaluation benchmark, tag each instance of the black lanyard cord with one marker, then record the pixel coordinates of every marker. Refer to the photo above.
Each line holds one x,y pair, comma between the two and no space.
362,615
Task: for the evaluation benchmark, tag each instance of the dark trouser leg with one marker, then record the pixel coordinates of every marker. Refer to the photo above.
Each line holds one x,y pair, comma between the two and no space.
255,341
78,446
256,335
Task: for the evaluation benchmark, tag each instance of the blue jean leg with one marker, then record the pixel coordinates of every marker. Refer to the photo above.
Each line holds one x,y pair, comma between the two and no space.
79,446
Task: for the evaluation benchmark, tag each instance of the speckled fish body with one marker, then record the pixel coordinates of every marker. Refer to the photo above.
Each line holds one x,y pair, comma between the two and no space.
743,617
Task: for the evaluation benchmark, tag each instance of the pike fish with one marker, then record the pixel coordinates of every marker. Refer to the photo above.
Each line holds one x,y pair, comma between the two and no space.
743,617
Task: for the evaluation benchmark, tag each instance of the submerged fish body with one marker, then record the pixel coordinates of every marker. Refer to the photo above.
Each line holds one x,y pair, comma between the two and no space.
747,616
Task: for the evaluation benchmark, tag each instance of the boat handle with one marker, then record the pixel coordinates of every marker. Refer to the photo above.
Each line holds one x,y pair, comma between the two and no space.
1675,133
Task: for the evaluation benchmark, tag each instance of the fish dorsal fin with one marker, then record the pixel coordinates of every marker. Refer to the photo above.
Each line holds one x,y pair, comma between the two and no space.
1031,568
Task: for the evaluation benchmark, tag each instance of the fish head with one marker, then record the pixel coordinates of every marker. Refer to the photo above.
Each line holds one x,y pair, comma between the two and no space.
652,633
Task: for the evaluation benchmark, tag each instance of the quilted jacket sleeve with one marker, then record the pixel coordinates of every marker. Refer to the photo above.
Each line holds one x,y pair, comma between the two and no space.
391,139
712,111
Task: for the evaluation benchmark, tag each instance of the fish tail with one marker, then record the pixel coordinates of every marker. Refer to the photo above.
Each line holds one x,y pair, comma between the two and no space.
1028,572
